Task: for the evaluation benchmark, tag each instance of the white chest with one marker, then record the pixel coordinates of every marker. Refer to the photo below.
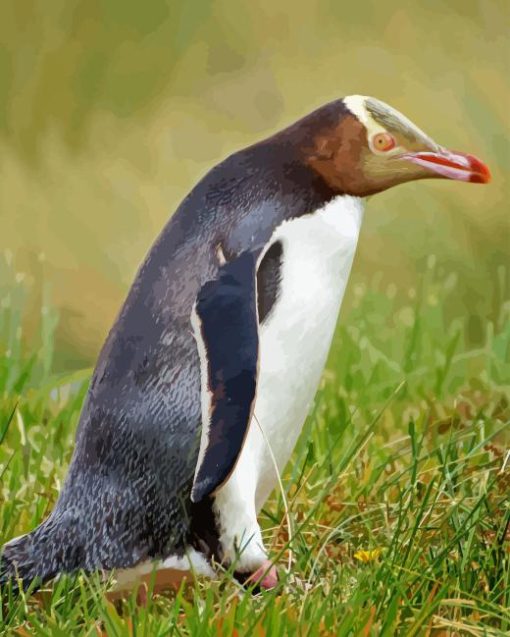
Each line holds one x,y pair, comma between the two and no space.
318,251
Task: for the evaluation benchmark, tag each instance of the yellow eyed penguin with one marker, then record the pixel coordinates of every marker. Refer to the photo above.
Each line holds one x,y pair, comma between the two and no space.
219,348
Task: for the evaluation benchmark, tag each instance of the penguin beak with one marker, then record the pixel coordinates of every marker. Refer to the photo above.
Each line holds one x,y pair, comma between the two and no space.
451,165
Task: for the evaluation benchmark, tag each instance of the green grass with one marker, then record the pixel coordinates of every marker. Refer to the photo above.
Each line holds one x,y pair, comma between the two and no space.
405,457
110,111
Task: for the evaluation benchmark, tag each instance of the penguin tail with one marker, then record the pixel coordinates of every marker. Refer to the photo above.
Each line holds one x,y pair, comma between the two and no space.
32,559
18,565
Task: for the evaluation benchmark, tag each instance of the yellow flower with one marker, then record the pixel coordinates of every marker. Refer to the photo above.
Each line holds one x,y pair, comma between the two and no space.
367,556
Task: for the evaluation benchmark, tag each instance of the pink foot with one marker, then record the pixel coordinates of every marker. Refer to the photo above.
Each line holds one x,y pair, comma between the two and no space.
266,576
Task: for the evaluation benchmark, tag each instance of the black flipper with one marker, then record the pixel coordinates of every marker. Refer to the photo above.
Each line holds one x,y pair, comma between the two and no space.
226,328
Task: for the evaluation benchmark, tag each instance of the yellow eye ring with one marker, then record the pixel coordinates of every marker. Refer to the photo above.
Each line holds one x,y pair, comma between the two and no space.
383,142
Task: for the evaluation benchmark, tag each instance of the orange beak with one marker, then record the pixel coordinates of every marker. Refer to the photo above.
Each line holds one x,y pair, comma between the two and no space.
452,165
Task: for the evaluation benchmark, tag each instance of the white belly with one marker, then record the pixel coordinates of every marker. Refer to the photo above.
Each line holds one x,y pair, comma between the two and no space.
318,250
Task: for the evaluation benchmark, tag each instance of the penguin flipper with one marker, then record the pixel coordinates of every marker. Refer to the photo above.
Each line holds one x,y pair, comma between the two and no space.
226,328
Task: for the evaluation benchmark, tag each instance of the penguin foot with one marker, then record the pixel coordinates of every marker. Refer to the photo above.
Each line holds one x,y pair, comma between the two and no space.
264,578
142,599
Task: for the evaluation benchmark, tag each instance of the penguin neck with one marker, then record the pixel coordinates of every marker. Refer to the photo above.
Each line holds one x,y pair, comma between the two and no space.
290,178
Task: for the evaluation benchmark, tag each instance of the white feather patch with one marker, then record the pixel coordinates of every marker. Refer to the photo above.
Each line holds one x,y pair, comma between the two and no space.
191,561
356,104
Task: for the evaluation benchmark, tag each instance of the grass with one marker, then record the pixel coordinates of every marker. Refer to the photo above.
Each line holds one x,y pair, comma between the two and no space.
397,492
398,489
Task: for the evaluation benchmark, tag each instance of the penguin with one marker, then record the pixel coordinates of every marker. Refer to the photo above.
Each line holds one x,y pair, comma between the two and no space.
204,382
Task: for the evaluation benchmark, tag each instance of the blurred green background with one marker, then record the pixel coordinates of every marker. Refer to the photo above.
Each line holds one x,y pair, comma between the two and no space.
111,110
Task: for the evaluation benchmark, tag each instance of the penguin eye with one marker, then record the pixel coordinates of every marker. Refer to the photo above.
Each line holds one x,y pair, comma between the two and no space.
383,142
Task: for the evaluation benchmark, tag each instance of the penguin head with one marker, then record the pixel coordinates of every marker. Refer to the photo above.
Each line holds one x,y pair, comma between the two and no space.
362,146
